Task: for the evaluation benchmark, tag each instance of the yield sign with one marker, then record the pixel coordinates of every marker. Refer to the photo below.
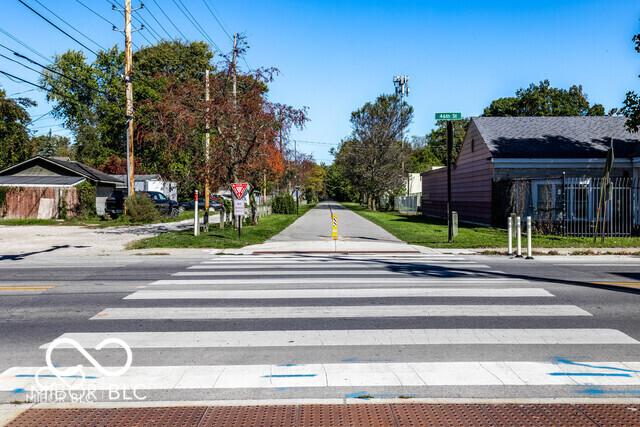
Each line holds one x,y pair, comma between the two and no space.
239,189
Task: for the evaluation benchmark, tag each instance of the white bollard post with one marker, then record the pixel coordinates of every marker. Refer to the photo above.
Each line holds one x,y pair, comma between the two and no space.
518,238
529,250
196,220
510,236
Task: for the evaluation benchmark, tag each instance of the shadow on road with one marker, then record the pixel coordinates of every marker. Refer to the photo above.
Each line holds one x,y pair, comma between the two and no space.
17,257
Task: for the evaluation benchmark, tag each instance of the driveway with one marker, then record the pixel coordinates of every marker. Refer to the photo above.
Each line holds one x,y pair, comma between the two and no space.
37,241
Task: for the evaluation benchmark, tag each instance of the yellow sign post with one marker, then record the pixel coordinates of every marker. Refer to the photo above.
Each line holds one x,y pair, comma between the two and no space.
334,226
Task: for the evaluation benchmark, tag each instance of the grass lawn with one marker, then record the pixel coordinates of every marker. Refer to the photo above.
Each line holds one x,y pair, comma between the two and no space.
226,238
431,232
94,221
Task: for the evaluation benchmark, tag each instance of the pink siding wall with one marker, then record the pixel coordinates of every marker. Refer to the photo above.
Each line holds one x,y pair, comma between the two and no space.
470,181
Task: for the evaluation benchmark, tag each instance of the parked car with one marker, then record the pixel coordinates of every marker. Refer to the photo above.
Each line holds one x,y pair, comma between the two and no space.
215,203
114,205
165,205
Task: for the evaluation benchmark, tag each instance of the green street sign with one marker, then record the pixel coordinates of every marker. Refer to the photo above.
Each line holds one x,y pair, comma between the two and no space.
448,116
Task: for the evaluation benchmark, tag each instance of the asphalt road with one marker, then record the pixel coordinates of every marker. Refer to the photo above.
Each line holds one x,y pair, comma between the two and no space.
366,341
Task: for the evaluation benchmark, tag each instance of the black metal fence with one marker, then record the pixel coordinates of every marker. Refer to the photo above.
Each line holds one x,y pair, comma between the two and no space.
584,206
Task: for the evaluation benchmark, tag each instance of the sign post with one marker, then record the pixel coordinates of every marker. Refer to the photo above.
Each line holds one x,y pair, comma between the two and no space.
334,226
196,220
449,117
239,189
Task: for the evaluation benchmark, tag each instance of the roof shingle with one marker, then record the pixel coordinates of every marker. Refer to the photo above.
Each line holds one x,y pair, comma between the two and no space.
557,137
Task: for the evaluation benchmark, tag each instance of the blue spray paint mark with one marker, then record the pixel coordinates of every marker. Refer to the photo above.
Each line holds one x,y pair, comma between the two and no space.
88,377
559,360
600,391
290,376
358,395
587,374
289,365
19,390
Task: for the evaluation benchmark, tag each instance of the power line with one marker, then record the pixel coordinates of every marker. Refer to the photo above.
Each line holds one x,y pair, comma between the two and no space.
194,22
170,21
42,116
144,25
97,14
23,44
315,142
217,19
158,22
21,92
19,79
52,70
70,26
115,27
57,27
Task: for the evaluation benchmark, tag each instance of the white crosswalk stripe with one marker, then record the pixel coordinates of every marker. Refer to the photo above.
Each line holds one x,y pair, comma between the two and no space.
225,291
353,337
339,293
355,311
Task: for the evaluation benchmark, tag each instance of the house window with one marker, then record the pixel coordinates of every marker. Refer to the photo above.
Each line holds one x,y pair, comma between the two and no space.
546,199
473,145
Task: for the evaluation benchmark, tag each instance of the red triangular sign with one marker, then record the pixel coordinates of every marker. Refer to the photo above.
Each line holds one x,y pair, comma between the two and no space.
239,189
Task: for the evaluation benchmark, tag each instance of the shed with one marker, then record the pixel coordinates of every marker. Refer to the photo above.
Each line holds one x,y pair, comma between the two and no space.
43,185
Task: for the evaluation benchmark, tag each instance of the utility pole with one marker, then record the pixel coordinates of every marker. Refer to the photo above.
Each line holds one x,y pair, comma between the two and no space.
235,93
295,180
206,149
401,84
128,65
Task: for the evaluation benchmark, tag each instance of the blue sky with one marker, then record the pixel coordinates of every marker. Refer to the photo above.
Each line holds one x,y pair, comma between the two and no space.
336,55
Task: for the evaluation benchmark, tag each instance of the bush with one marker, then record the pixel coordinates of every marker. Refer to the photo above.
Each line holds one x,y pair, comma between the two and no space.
140,208
283,204
86,200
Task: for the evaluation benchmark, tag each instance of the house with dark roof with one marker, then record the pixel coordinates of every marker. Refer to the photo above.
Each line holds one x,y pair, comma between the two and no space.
41,186
537,166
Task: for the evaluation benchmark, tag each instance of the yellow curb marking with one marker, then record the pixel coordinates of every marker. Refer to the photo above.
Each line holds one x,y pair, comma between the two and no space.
25,288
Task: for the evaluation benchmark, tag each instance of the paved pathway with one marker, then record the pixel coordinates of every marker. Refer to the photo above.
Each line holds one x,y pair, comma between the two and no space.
316,225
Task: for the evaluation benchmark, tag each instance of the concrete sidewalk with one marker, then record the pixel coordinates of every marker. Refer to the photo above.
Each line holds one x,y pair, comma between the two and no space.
311,233
316,225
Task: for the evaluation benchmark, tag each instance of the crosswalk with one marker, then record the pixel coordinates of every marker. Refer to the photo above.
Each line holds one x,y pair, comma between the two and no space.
294,324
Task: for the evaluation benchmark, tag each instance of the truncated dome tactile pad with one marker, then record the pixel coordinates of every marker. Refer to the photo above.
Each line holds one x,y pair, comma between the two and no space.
405,415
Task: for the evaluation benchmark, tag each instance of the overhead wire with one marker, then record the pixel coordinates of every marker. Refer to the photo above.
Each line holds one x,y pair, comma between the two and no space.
70,26
23,44
115,27
185,38
52,70
194,22
218,20
57,27
97,14
146,8
144,25
20,79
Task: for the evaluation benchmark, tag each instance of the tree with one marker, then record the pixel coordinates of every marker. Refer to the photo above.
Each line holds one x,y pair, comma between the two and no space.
90,98
372,158
52,145
337,186
545,100
631,106
15,144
